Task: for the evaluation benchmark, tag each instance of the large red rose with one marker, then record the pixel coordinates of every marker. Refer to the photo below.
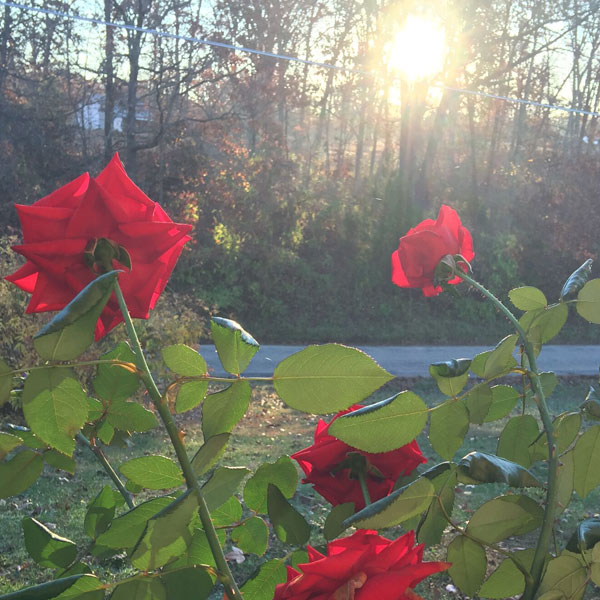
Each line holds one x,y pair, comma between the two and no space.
363,566
422,248
57,229
324,464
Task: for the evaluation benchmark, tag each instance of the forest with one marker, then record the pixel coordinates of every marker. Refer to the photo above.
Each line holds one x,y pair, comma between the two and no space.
300,178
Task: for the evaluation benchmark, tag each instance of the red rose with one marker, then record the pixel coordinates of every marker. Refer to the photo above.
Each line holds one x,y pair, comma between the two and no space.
422,248
327,467
363,566
57,229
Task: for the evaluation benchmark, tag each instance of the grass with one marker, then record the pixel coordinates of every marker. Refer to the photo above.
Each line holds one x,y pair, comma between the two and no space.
268,430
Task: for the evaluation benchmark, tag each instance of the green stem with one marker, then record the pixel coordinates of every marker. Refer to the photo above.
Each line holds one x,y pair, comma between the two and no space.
160,403
107,467
362,479
547,529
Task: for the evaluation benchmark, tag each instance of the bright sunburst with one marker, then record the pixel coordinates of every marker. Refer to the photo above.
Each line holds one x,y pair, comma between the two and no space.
418,49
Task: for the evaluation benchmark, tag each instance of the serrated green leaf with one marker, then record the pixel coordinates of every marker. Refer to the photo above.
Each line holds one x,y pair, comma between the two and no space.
566,428
105,432
479,467
8,442
565,574
504,517
588,301
235,346
145,588
6,380
504,399
402,504
549,381
528,298
209,453
17,474
586,455
566,468
516,438
289,525
114,382
507,580
448,426
478,402
261,586
542,325
328,378
383,426
451,375
252,536
29,439
179,584
130,416
576,280
95,410
591,405
222,411
478,363
167,534
337,515
43,591
127,528
282,473
223,483
190,394
100,513
71,331
87,587
46,547
228,513
434,521
55,407
184,361
60,461
469,564
153,472
501,359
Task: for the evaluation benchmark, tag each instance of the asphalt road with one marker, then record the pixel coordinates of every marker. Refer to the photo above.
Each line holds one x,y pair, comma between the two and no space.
414,361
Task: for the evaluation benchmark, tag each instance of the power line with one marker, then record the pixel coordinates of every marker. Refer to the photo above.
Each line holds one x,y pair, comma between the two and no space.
197,40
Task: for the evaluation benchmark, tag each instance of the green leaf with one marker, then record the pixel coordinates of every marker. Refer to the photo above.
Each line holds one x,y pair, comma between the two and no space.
114,382
282,473
501,359
235,346
585,537
252,536
507,580
451,375
100,513
127,528
223,483
328,378
144,588
183,360
261,586
448,426
153,472
47,548
198,552
565,574
6,380
399,506
516,438
504,399
434,522
566,428
44,591
8,442
588,301
87,587
333,523
478,402
382,426
228,513
17,474
167,534
479,467
478,363
57,411
586,456
130,416
549,381
222,411
289,525
209,453
71,331
503,517
564,480
190,394
528,298
591,405
95,410
60,461
469,564
29,439
543,324
105,432
577,280
180,583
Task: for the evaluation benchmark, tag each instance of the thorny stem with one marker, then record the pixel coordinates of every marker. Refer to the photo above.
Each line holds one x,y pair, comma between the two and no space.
107,467
537,566
161,404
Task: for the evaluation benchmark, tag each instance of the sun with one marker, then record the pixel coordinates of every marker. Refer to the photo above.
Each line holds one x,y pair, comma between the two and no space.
418,50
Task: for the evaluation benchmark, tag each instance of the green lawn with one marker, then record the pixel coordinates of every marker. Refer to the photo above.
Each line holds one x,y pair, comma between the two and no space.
269,430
